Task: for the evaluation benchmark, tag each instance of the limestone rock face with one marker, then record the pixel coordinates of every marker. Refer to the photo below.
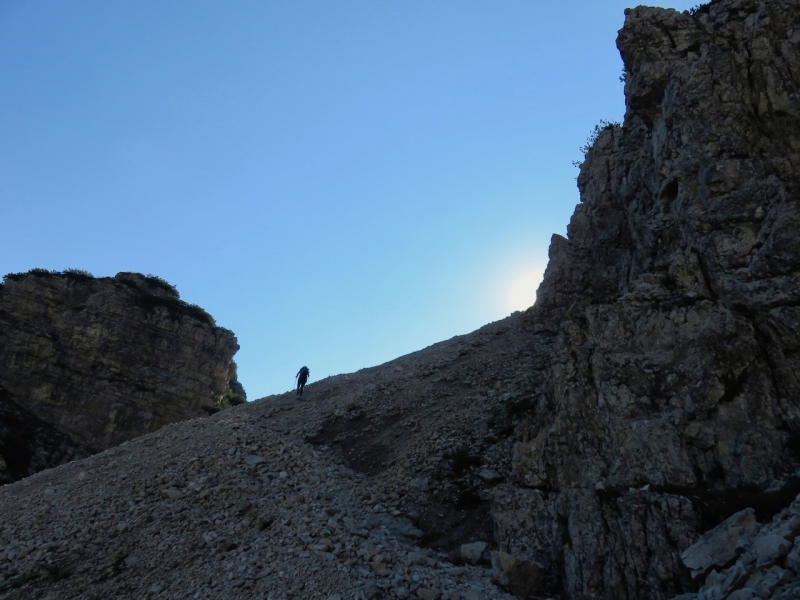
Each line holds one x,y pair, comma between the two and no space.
98,361
673,391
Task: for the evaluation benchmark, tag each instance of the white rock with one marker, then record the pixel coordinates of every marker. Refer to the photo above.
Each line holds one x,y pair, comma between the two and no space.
472,552
770,548
490,475
722,544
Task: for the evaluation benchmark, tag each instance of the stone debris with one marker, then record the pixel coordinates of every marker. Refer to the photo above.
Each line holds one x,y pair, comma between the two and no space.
761,563
722,544
520,576
472,553
182,513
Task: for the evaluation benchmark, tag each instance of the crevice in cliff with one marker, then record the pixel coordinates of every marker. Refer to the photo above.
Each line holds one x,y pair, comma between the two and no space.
734,386
669,195
704,271
713,507
765,342
668,33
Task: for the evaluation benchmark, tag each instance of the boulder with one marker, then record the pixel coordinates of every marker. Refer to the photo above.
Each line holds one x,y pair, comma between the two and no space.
519,576
721,545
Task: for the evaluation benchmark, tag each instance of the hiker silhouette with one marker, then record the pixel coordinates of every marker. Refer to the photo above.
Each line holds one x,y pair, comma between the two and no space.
302,377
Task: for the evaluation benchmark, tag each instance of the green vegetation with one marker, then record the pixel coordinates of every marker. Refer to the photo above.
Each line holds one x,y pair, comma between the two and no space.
176,307
172,302
220,403
233,371
598,129
35,272
226,401
699,8
149,302
163,284
235,394
78,274
233,398
117,558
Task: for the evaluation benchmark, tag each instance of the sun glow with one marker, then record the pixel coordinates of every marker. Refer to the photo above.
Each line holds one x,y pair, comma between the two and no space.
522,291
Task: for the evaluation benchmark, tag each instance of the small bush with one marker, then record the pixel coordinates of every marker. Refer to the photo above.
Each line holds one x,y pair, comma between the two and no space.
590,141
176,307
235,394
200,314
598,129
220,403
36,272
117,558
22,275
43,272
78,274
234,399
163,284
233,370
697,8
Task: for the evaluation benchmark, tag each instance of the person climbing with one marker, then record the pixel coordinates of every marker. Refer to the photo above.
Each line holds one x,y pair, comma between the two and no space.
302,377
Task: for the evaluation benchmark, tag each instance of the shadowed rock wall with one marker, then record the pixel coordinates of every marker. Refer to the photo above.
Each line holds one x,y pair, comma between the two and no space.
673,392
98,361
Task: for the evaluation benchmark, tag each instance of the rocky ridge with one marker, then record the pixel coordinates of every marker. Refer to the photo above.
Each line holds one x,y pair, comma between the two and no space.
87,363
671,399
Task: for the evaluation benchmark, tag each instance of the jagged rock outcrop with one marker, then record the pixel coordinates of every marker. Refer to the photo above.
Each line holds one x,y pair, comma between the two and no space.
742,560
87,363
673,397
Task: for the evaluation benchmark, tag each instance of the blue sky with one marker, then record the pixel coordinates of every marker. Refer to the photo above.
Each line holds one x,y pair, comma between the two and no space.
339,183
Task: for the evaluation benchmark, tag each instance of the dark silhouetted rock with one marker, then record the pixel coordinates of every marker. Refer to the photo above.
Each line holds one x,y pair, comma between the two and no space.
87,363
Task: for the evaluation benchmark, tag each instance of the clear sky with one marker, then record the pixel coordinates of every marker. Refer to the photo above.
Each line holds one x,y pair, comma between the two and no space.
339,183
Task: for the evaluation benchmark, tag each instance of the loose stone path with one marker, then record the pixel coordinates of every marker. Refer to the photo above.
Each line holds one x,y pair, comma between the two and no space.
259,501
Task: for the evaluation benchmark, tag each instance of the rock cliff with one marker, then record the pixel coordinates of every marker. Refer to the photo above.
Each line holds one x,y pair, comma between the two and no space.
672,397
87,363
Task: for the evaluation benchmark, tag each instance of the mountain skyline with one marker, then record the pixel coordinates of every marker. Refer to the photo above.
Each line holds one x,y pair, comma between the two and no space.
338,185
